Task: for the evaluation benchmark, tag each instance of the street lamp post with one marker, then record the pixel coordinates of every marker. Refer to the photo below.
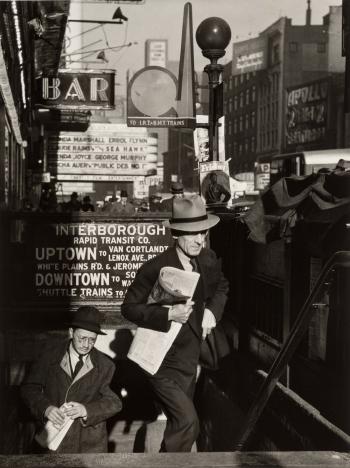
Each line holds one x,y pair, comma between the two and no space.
213,36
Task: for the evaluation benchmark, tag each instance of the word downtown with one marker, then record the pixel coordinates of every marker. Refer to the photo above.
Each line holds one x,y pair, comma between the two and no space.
109,229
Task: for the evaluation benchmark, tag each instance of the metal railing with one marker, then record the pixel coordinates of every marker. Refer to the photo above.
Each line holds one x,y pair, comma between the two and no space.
302,321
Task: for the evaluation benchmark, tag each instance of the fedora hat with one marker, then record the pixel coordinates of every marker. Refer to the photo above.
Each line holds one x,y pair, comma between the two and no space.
88,318
177,187
189,214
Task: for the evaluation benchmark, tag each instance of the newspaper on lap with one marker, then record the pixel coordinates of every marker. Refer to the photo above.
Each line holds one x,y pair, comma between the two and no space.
149,347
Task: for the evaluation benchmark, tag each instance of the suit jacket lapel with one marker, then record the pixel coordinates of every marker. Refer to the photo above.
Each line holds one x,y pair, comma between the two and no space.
173,258
202,269
87,367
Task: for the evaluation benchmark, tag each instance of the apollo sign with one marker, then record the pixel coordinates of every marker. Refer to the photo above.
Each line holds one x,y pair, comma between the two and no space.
77,89
308,115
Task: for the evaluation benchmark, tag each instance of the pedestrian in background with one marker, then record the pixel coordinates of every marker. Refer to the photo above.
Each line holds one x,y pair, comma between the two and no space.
87,205
174,383
74,203
76,373
48,199
177,191
122,207
155,202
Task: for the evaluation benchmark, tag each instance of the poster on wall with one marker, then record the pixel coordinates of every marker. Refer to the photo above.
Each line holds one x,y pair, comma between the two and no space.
201,139
215,183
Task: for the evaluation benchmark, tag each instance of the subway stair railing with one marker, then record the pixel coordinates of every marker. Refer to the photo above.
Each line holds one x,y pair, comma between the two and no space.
338,259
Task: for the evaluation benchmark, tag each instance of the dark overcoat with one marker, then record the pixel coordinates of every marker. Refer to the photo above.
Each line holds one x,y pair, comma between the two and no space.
181,361
49,382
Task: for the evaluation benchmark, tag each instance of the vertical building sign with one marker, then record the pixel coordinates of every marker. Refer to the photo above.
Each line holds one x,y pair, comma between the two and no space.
307,119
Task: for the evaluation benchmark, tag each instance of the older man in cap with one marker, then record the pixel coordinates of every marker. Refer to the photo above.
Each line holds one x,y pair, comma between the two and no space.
174,382
76,375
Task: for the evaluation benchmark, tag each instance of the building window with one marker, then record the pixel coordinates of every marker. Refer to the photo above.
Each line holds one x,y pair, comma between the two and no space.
230,105
241,78
247,121
235,126
241,123
235,102
273,80
241,99
246,145
247,76
275,54
236,81
230,82
252,144
230,130
253,93
240,149
273,135
253,119
293,47
321,47
247,97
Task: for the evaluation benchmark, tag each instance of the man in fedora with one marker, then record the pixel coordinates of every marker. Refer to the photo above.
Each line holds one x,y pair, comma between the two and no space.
177,190
174,382
78,375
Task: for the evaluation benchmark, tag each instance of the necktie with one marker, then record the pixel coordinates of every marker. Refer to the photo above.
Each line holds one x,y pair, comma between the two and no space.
193,262
78,366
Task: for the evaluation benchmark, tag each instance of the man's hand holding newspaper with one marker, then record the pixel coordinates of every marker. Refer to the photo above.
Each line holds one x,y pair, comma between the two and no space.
174,288
52,434
180,312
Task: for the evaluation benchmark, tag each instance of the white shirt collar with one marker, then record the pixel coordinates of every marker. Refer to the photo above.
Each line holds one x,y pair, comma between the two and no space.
74,355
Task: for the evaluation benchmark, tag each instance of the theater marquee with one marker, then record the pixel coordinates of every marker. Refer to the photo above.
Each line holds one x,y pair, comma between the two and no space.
104,152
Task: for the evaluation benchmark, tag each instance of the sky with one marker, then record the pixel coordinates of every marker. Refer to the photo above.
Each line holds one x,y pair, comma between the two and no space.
162,19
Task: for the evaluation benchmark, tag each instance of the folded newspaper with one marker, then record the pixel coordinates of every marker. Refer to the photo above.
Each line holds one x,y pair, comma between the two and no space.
51,436
149,347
